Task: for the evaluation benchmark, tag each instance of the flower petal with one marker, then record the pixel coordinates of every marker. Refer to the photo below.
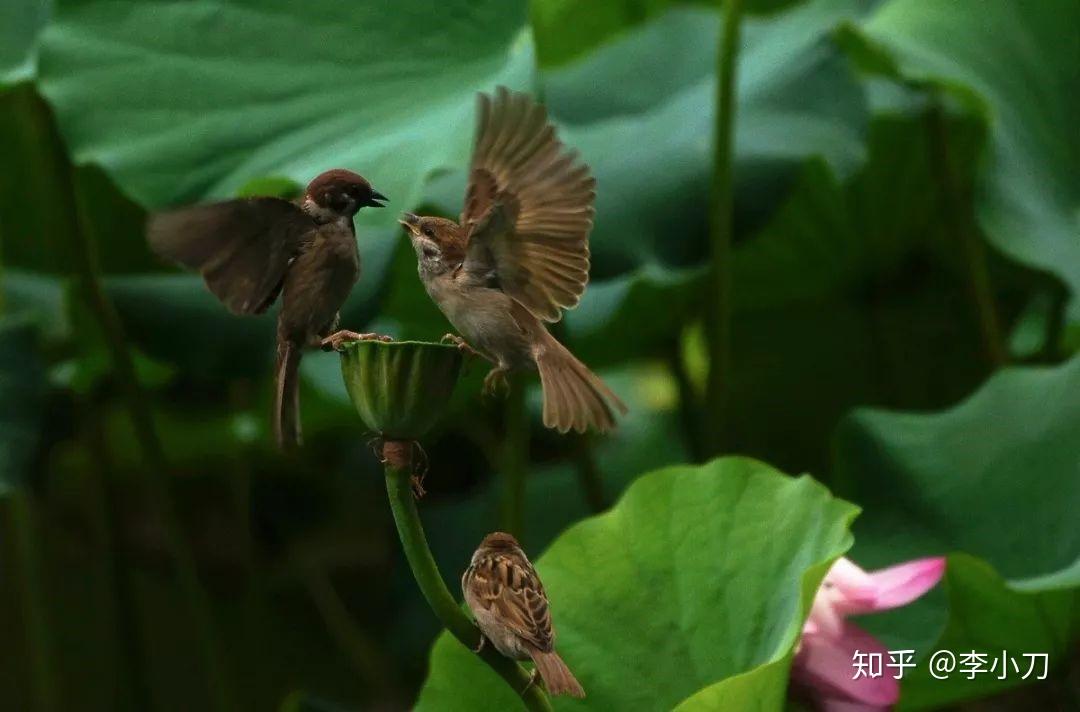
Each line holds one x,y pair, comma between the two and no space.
824,666
848,586
899,585
837,705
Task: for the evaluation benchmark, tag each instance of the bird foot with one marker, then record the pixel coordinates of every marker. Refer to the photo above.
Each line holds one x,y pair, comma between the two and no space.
481,644
338,338
461,344
495,382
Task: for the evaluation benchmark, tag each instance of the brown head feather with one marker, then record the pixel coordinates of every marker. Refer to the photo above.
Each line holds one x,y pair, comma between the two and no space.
343,192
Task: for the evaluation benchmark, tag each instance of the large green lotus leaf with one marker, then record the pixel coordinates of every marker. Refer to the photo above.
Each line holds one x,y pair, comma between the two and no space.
565,29
1007,454
22,399
975,610
994,477
696,575
20,23
37,297
649,142
757,690
1017,66
180,100
40,192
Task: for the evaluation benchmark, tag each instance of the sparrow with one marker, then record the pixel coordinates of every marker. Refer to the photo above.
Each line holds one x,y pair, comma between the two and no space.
517,258
511,609
252,250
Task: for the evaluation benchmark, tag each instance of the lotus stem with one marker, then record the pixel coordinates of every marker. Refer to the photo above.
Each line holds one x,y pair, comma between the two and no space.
718,301
39,636
397,459
956,215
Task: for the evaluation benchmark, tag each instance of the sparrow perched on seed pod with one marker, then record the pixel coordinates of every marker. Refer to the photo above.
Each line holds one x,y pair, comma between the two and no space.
251,250
518,257
511,608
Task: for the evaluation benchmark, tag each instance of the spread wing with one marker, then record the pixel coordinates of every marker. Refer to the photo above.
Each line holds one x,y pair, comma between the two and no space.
241,247
529,207
512,591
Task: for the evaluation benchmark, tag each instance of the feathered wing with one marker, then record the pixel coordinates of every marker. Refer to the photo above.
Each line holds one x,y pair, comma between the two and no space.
512,591
242,247
528,208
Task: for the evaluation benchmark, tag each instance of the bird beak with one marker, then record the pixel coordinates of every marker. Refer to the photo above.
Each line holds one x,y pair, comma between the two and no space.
410,222
376,197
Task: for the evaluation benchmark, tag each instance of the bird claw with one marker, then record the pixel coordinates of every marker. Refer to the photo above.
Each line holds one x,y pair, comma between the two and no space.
335,341
461,344
495,382
481,644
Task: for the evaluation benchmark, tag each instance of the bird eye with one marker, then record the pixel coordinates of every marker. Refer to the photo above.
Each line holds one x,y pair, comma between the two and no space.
427,230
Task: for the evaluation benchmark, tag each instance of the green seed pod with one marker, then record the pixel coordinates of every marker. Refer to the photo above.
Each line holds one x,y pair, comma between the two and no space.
400,388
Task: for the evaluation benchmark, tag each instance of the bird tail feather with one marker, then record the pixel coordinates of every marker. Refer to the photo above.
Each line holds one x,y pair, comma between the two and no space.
287,396
556,676
574,397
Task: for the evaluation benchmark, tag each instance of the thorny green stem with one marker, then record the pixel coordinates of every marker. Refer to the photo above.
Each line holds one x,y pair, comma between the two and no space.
514,460
38,634
959,224
718,302
426,572
156,468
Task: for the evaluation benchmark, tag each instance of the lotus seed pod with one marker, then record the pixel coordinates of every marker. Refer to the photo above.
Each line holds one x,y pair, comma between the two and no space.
400,388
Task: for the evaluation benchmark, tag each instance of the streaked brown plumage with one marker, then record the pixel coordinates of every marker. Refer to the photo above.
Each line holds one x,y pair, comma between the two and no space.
518,257
511,608
251,250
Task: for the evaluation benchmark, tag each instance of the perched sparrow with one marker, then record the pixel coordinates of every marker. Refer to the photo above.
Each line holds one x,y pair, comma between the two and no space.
519,256
511,609
251,250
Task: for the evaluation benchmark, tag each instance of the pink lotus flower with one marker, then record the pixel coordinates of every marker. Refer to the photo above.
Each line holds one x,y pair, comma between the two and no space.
823,668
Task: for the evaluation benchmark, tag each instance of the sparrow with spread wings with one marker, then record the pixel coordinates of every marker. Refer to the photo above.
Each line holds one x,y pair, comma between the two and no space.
511,609
518,258
251,250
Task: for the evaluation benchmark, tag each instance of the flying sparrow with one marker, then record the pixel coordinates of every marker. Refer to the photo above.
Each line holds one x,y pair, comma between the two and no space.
511,608
250,250
518,257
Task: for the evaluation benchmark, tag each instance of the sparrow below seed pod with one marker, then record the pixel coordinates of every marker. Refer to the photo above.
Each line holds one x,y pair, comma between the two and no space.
511,609
518,257
250,250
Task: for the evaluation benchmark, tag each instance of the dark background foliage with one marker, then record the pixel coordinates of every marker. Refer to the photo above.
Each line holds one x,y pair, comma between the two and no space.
906,251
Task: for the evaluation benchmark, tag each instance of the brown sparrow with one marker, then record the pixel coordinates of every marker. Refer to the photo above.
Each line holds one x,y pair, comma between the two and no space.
251,250
518,257
511,609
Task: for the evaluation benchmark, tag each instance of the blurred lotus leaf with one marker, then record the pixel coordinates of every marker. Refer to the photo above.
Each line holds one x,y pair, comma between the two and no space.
20,22
947,482
22,400
1017,67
